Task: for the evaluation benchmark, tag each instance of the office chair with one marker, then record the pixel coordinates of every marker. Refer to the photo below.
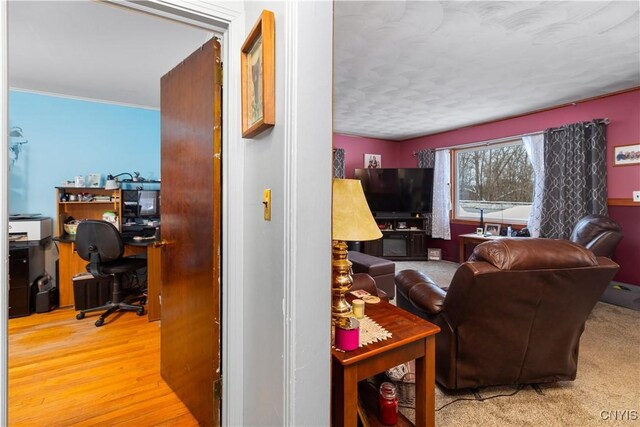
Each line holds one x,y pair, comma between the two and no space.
100,243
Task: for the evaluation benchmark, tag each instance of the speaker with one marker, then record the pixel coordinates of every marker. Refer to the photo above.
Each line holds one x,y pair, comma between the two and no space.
47,300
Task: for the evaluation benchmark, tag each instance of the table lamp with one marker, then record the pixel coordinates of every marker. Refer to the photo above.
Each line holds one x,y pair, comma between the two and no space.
351,221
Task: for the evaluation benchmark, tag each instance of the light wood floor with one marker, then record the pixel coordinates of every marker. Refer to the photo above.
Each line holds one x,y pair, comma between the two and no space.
67,372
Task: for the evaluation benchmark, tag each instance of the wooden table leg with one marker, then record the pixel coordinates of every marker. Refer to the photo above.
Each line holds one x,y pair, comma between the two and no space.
350,396
426,385
344,409
461,252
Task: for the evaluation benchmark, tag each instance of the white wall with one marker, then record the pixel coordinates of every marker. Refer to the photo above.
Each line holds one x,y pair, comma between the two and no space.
287,260
4,212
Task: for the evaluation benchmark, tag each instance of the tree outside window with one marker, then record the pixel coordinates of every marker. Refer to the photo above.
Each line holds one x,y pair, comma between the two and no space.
497,179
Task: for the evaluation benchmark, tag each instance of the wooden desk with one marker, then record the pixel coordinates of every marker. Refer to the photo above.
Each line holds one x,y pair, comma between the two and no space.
472,238
71,264
413,338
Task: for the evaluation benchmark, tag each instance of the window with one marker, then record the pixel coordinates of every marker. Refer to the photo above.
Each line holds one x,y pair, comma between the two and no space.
497,179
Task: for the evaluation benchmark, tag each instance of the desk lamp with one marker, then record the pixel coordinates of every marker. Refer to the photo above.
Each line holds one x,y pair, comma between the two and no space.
112,181
351,221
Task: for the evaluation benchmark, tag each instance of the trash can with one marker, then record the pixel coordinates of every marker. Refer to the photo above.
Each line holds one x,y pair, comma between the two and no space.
89,292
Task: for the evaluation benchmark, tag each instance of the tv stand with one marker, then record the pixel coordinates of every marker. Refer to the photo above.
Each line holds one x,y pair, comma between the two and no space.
403,237
392,215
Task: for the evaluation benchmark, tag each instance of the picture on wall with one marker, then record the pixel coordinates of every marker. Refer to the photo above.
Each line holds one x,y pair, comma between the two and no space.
626,155
373,161
258,77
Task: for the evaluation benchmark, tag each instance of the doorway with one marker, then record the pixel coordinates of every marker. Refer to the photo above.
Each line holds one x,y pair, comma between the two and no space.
207,17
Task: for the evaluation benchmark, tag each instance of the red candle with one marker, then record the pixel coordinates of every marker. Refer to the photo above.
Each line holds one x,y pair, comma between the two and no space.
388,403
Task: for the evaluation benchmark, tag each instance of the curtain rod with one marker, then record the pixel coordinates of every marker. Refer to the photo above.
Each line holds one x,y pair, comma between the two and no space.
504,139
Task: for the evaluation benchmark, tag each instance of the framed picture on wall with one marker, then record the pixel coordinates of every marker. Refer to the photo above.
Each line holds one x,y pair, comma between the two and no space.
257,61
624,155
373,161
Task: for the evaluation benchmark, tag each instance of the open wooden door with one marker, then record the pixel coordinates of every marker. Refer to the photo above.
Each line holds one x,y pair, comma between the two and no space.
191,208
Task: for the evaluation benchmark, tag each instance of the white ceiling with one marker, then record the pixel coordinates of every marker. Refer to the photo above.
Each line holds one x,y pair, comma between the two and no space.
402,69
405,69
95,50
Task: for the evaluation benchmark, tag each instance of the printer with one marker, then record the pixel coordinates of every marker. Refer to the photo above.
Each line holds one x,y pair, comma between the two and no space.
28,228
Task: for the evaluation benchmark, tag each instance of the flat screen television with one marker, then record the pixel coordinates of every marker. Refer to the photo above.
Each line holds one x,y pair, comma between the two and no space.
404,191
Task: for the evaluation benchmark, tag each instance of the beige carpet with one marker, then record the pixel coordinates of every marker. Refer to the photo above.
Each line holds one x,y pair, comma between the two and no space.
608,378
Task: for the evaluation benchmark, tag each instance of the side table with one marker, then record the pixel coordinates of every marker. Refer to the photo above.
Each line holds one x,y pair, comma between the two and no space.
412,338
472,238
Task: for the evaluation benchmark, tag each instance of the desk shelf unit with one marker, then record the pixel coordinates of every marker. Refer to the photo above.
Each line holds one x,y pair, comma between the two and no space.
403,238
70,262
86,210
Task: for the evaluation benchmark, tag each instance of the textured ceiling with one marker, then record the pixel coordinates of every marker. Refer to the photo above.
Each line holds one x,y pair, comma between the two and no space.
93,50
406,69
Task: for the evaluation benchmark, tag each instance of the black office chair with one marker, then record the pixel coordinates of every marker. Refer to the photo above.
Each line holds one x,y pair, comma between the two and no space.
100,243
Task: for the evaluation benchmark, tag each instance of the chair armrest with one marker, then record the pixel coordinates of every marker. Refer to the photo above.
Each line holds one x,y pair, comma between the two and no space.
366,283
421,291
427,297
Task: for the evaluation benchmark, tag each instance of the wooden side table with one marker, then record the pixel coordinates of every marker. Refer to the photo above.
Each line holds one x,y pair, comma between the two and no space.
413,338
472,238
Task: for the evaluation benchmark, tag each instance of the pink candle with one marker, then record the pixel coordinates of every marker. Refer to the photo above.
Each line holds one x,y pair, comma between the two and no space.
347,333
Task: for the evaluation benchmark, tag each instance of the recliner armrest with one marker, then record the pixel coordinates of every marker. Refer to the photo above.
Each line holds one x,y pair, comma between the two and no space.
427,297
367,283
421,291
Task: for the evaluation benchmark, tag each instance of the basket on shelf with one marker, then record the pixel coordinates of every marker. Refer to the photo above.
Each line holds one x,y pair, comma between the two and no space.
405,382
71,227
407,390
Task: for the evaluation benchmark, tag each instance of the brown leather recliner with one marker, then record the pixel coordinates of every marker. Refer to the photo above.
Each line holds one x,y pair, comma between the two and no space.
598,233
513,314
367,283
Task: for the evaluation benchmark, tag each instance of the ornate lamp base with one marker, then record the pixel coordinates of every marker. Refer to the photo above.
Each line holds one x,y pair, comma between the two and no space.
342,280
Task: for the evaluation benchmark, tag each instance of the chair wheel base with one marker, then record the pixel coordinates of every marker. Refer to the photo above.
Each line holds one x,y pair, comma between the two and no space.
99,322
140,311
80,316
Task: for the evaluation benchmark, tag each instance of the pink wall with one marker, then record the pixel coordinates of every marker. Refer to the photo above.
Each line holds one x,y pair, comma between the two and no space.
623,110
355,147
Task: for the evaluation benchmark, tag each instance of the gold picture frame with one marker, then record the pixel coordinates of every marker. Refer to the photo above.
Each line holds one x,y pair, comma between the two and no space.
258,77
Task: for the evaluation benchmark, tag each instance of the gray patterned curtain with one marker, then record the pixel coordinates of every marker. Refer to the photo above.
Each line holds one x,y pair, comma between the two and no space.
427,159
575,182
338,163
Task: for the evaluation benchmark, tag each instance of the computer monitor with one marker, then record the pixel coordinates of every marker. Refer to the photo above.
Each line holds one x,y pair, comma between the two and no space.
148,203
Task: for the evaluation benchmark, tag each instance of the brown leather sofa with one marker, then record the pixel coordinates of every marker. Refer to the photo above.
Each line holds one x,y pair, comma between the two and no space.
513,314
598,233
381,270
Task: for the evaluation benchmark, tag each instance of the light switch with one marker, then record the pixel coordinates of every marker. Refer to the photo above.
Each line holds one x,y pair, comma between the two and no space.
636,196
266,201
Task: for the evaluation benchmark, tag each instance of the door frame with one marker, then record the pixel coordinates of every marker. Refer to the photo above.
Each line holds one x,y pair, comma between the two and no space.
229,22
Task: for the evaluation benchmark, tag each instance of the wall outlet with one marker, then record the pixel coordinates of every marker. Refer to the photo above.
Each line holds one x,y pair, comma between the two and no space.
636,196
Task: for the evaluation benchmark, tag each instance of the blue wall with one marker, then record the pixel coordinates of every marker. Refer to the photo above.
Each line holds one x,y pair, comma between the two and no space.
68,137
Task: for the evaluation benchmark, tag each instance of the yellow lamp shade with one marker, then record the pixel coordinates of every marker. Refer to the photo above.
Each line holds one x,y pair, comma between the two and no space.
351,217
